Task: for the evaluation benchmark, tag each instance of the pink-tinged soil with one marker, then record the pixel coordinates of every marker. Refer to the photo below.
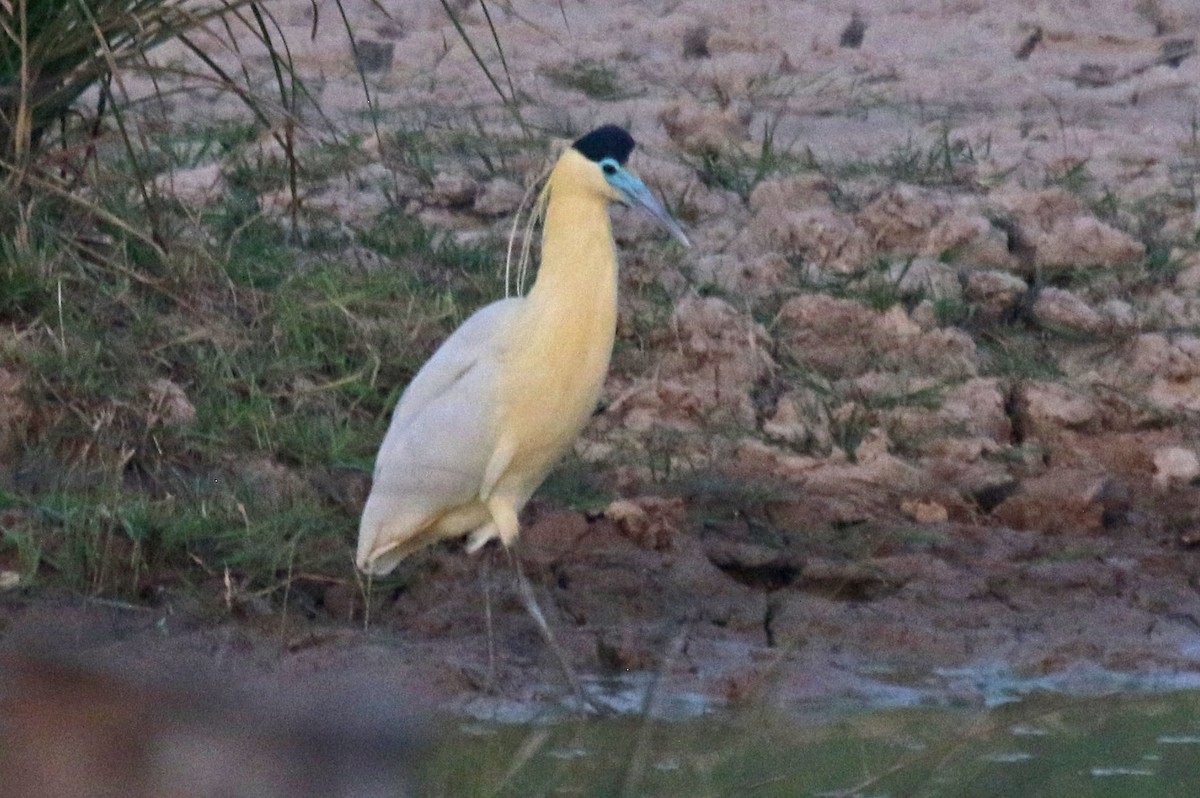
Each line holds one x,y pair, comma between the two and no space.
711,610
920,402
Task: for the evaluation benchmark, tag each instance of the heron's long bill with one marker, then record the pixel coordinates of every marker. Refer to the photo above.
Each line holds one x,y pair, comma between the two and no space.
636,194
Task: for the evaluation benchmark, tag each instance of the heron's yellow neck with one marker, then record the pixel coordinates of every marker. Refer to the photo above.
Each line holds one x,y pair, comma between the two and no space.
579,259
560,350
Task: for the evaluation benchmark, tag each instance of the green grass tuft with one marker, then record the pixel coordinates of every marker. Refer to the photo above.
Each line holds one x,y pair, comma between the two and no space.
593,79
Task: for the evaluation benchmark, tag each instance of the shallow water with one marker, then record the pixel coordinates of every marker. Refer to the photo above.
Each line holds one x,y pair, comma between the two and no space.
1045,744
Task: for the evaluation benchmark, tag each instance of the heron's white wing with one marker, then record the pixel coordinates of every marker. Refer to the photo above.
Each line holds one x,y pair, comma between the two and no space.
483,335
441,437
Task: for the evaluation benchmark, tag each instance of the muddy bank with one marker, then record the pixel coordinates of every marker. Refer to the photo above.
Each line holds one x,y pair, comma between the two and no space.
871,613
923,397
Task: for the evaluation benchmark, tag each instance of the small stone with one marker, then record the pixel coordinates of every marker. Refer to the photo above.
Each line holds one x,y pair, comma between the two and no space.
854,32
900,220
1095,76
714,355
272,483
1172,309
1031,212
1057,307
1176,357
977,407
499,197
1119,314
995,292
874,446
925,315
800,418
796,191
1189,278
452,190
840,338
1086,241
969,240
652,522
170,405
926,277
1175,465
9,580
373,56
702,129
1049,407
972,414
695,42
1027,47
1063,502
1174,367
925,512
1174,51
754,276
818,235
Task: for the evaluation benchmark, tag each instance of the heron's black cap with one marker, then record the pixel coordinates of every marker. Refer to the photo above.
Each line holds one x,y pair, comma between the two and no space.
609,141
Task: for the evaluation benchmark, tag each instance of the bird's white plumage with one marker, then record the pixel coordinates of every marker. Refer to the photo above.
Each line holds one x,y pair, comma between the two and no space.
441,438
480,339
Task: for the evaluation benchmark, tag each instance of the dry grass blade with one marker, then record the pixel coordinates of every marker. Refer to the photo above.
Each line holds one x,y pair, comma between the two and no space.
52,51
510,101
362,75
226,80
512,90
54,188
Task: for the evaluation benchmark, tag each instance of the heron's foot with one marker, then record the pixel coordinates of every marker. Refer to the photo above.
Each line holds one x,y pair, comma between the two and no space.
480,537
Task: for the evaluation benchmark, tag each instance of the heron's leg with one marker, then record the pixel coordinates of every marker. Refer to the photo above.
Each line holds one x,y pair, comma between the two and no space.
504,519
535,611
504,524
485,572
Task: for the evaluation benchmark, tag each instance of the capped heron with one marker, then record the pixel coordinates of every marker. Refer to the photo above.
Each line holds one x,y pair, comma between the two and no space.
500,402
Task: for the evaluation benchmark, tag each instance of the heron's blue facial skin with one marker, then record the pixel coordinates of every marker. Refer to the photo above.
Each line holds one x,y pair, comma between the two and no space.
634,193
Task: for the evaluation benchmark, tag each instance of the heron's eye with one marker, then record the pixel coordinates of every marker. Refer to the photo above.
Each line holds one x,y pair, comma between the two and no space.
609,168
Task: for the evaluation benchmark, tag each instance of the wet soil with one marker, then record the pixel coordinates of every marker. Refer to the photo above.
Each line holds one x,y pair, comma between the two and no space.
712,612
876,570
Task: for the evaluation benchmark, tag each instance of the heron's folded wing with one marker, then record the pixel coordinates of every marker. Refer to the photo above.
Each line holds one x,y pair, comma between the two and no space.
442,435
429,469
482,336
